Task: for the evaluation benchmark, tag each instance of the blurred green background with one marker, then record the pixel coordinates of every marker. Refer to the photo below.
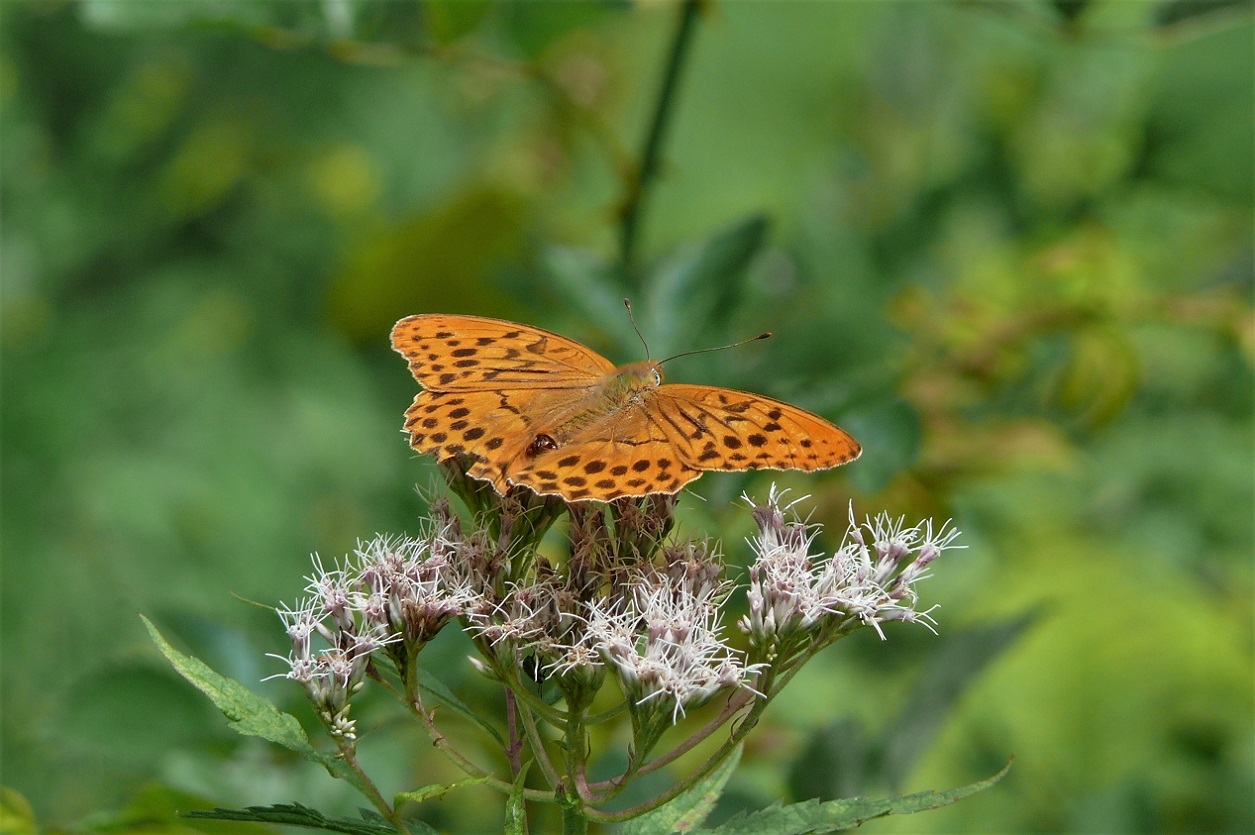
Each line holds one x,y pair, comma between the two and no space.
1007,245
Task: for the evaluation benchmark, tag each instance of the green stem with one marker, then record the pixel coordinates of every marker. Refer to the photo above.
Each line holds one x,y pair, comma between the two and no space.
349,754
725,750
538,745
634,200
573,820
574,813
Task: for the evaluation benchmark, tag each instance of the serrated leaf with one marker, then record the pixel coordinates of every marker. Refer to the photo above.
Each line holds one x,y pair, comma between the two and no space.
248,713
428,683
434,790
686,812
294,814
814,816
515,808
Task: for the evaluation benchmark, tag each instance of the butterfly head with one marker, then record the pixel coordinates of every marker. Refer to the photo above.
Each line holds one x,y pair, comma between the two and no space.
632,378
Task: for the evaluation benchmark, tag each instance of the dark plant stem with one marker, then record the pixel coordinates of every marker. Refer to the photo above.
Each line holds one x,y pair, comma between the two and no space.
514,752
647,168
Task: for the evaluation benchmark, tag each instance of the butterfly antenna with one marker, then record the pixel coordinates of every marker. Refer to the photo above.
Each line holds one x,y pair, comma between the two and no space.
720,348
628,304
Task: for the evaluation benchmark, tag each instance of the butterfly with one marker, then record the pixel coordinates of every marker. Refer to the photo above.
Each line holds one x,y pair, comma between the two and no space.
524,406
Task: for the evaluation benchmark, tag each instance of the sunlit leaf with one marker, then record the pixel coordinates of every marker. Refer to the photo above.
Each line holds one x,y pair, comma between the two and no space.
686,812
814,816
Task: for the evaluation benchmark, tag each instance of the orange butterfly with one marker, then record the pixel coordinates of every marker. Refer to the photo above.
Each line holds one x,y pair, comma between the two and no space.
526,406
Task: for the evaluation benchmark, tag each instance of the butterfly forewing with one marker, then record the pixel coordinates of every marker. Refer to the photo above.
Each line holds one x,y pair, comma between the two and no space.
721,429
470,353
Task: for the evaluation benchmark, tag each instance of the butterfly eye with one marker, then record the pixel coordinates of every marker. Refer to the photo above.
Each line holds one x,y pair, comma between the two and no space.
657,376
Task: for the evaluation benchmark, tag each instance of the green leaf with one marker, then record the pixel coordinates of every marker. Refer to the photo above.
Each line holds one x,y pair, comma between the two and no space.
142,14
1178,11
686,812
249,713
891,427
949,670
842,760
588,288
16,815
515,808
428,683
816,816
448,20
294,814
533,27
434,790
837,762
701,282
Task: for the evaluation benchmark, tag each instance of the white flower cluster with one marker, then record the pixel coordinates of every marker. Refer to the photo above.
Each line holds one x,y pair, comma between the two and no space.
657,625
664,640
391,590
870,579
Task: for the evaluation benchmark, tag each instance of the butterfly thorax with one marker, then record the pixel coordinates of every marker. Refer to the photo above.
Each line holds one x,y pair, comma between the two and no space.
618,389
615,392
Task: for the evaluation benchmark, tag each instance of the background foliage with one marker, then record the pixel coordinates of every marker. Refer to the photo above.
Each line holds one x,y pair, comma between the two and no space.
1007,245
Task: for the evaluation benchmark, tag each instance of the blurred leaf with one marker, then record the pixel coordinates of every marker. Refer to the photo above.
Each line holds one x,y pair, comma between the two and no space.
101,711
286,22
16,815
842,760
589,289
533,27
1201,126
814,816
890,433
155,808
430,684
1099,378
143,14
700,285
947,673
687,812
1178,11
439,261
448,20
1070,10
833,764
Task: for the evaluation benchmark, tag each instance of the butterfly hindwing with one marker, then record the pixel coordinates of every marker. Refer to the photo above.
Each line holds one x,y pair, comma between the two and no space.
605,469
